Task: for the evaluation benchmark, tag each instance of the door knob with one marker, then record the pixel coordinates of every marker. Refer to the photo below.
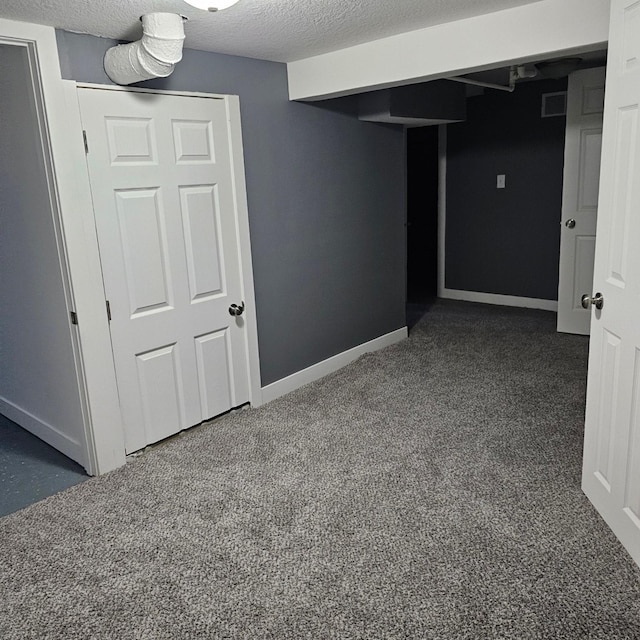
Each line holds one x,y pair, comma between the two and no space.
570,223
235,310
597,301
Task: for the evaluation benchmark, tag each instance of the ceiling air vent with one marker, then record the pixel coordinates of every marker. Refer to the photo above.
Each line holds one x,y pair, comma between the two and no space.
554,104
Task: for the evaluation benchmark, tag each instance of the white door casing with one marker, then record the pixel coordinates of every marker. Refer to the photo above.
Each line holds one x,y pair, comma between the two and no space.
164,198
611,468
583,148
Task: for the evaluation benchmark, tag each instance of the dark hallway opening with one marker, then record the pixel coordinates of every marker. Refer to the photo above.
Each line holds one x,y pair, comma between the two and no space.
422,221
422,214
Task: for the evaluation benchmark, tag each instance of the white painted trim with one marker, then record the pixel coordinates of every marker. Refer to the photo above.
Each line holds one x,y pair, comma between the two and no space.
236,152
43,430
442,205
100,376
534,31
321,369
164,92
499,299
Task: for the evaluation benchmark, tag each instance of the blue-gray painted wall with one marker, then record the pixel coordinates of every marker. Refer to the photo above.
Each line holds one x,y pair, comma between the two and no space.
505,241
326,197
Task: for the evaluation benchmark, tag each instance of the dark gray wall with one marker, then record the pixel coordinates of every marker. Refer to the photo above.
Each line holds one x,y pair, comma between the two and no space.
326,206
505,241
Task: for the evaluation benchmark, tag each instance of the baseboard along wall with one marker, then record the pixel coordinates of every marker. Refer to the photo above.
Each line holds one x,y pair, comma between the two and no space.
41,429
321,369
499,299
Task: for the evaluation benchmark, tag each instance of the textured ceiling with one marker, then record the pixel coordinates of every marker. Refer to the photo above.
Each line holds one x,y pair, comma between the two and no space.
280,30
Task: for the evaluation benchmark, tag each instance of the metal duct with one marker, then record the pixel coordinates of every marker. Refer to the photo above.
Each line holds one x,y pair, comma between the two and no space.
155,55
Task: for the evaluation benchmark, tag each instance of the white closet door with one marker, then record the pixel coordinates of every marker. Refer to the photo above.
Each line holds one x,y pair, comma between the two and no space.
583,149
160,171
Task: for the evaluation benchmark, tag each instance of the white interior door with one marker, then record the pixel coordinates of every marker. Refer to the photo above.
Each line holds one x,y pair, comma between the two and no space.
161,180
583,149
611,472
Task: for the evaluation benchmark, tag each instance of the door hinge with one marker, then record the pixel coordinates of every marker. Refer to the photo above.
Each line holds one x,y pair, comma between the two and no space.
86,143
74,317
109,311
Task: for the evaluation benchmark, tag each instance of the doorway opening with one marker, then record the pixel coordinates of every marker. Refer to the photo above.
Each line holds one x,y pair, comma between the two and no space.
42,409
422,220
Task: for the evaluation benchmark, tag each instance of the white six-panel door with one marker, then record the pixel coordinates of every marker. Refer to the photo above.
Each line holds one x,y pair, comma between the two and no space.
611,472
583,149
161,181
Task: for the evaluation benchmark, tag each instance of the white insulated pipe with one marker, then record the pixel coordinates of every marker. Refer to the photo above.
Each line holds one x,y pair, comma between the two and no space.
486,85
155,55
516,72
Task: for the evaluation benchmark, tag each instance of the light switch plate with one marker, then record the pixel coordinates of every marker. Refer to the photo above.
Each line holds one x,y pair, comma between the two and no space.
501,182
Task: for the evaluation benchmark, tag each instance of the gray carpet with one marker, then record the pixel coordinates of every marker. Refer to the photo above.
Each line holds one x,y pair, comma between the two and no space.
430,490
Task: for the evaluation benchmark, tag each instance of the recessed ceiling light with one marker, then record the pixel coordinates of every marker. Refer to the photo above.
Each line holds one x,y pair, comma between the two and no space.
211,5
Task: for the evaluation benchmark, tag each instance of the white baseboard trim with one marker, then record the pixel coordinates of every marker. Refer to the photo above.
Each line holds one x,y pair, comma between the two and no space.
321,369
499,299
42,430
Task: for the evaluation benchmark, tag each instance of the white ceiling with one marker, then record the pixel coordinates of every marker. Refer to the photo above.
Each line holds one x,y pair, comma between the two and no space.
279,30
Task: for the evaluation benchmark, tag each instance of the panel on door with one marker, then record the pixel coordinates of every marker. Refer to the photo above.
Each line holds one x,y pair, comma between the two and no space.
162,185
205,256
611,471
583,150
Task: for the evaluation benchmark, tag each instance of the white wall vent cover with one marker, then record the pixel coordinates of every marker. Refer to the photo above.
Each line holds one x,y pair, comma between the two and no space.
554,104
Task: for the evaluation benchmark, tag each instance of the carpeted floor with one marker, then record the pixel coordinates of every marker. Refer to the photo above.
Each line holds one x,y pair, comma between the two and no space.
430,490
